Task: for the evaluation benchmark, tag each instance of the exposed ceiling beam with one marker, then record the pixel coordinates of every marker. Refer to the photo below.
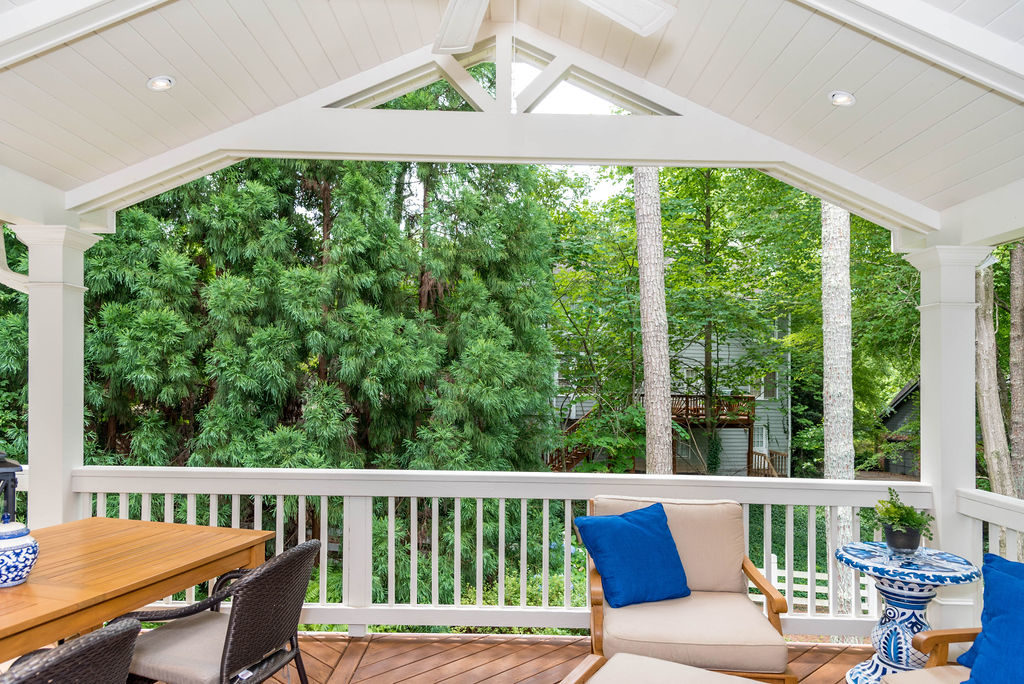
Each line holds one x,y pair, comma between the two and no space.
990,219
35,27
464,83
939,36
24,199
699,138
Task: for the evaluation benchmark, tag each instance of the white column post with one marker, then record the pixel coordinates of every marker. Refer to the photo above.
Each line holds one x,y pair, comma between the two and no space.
56,367
948,438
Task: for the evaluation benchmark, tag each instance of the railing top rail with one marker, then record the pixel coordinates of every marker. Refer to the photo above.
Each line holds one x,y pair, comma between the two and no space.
511,485
1005,511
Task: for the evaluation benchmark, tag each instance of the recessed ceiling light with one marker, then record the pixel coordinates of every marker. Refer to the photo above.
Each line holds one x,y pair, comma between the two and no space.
160,83
841,98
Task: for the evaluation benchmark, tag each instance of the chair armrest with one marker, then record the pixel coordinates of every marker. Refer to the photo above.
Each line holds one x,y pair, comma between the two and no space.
774,602
935,643
596,611
585,670
211,603
596,588
772,595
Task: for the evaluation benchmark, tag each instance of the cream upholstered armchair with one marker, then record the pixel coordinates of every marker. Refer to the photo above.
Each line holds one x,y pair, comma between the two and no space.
716,627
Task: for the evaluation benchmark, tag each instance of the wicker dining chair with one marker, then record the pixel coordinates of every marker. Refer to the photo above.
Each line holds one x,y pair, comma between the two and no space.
100,657
256,638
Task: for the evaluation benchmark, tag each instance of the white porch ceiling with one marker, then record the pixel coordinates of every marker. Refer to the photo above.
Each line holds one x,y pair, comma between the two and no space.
78,117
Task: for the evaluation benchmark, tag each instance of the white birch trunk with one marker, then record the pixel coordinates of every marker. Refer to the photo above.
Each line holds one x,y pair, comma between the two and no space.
653,320
990,412
837,383
1017,367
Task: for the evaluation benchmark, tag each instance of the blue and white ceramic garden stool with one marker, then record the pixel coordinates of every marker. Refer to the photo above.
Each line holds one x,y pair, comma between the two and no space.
907,583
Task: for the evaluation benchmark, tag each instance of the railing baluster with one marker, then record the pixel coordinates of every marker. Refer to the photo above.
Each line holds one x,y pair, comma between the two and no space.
212,522
414,542
545,553
458,552
479,552
279,527
567,556
324,541
190,519
501,552
122,505
147,507
301,522
168,508
789,553
766,542
746,529
523,518
833,565
236,511
812,560
257,512
101,505
391,550
856,608
433,553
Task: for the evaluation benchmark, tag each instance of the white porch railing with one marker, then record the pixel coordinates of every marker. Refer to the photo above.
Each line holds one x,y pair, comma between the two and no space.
510,574
1001,519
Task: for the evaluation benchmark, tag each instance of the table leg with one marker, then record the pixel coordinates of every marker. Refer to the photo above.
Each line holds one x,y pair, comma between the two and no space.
257,555
904,616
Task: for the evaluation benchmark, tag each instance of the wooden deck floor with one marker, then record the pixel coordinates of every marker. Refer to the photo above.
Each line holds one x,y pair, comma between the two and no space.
429,658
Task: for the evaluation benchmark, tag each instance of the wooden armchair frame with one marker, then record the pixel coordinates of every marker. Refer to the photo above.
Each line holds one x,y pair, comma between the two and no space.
775,604
934,643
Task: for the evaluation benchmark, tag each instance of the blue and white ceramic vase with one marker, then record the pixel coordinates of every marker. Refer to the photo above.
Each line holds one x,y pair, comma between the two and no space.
18,552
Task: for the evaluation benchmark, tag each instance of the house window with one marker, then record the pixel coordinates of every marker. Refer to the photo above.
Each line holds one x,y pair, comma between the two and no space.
769,386
761,438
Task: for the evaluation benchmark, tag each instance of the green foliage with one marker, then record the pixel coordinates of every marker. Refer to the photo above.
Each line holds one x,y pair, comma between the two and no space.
714,452
897,515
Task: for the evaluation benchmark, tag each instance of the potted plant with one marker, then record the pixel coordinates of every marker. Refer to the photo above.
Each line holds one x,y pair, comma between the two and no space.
903,525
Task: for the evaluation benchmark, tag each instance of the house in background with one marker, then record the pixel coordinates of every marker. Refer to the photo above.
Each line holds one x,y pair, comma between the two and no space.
902,423
752,421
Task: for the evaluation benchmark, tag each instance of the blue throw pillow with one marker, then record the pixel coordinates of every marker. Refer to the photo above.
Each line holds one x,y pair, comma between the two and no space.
992,562
636,556
998,657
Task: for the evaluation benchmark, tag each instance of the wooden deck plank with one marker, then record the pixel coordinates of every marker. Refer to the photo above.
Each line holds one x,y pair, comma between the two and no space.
470,658
349,662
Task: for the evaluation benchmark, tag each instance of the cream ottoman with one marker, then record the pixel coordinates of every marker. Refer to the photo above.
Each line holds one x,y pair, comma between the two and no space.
626,667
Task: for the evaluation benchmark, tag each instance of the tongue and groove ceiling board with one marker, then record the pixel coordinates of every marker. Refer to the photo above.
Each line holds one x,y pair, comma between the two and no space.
80,111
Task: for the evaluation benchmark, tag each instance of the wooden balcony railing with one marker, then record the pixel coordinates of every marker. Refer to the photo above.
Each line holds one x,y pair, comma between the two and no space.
726,409
771,464
391,556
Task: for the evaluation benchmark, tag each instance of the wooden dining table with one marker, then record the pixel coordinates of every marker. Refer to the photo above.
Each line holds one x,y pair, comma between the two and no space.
96,569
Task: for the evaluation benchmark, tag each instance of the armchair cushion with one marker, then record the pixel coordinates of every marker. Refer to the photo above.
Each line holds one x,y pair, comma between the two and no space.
183,651
951,674
636,556
712,630
708,536
997,648
992,562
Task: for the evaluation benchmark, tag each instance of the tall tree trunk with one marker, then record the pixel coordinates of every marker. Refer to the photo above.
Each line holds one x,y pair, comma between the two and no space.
653,320
990,412
426,287
837,381
1016,401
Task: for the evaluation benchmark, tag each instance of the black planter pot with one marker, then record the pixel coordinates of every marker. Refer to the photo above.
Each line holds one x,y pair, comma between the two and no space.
902,543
